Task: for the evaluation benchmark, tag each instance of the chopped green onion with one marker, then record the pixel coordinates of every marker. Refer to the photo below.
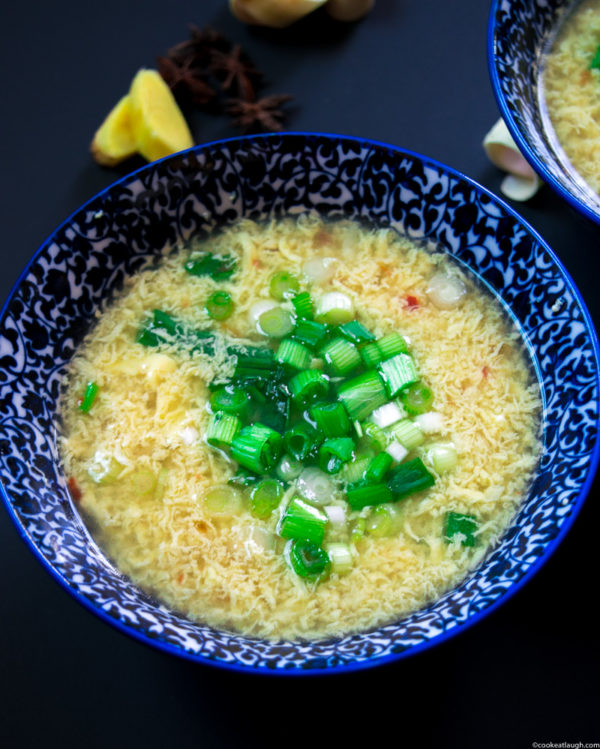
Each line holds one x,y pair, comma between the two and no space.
254,363
417,399
355,332
283,285
398,372
397,451
392,344
316,486
276,322
231,399
341,356
257,447
143,482
387,415
265,497
302,521
89,396
218,267
223,500
104,469
243,477
370,355
363,394
409,477
300,440
334,308
333,453
303,305
358,530
331,419
595,64
219,305
442,457
293,354
307,386
408,434
222,429
307,560
378,468
359,497
354,471
374,435
288,468
310,333
341,558
384,520
463,526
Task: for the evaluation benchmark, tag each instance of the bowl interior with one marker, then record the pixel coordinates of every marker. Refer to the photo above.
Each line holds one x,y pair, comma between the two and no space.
520,34
87,259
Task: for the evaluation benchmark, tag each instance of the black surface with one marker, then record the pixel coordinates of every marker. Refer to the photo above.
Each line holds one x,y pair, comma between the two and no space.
413,73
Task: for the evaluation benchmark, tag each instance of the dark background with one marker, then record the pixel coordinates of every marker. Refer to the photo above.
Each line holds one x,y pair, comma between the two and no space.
413,73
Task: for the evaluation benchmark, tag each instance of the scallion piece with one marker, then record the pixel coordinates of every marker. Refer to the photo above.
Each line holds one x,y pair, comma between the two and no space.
293,354
307,386
442,457
89,396
363,394
355,332
417,399
358,530
254,363
375,435
408,478
384,520
370,355
334,308
300,440
307,560
219,305
341,356
378,467
392,344
310,333
359,497
595,63
257,447
276,322
331,419
288,468
333,453
340,556
302,521
354,471
265,497
397,373
283,285
231,399
223,500
408,434
461,526
222,429
218,267
303,305
243,477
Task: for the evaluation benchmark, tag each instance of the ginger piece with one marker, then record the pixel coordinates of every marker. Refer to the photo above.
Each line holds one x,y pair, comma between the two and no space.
275,13
114,140
158,124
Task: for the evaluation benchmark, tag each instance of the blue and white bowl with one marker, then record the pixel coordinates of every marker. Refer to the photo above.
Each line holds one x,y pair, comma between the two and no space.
520,34
87,258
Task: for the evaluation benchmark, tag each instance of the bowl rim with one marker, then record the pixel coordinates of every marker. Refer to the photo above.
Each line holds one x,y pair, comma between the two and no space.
366,663
535,162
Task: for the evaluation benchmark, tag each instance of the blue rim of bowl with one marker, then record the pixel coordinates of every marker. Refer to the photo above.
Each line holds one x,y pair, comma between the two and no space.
367,663
507,116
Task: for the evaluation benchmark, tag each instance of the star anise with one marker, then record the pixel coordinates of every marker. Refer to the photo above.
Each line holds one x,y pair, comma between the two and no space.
197,50
186,81
235,71
264,114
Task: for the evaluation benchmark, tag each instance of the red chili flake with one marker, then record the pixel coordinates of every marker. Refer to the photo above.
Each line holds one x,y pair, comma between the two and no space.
74,490
180,577
485,371
411,301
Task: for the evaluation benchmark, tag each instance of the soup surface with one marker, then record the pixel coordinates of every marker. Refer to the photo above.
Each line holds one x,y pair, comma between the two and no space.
144,476
572,90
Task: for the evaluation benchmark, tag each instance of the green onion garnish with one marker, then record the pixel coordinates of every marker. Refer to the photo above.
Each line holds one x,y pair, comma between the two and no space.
303,305
334,308
378,467
374,435
302,521
383,521
308,560
307,386
408,434
276,322
359,497
595,63
409,477
300,440
355,332
257,447
265,497
254,364
331,419
219,305
340,556
89,396
223,500
283,285
371,355
288,468
218,267
358,530
333,453
231,399
397,373
341,356
463,526
293,354
354,471
222,429
416,399
243,477
392,344
310,333
442,457
363,394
